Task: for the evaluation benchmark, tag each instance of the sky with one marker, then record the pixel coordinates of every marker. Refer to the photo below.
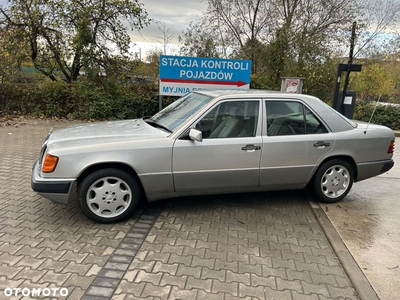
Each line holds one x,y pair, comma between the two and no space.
174,13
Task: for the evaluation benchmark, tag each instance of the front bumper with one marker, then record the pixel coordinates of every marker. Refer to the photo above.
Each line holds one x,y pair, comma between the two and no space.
370,169
59,191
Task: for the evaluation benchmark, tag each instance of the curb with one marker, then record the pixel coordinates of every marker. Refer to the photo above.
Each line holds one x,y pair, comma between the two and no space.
397,133
359,281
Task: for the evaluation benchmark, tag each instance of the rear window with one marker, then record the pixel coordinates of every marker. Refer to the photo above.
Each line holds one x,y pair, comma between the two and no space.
340,115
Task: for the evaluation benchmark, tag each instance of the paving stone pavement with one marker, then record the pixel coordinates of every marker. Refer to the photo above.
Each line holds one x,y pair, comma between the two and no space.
250,246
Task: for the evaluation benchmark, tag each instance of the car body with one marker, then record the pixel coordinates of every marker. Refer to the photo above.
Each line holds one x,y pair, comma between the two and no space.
209,143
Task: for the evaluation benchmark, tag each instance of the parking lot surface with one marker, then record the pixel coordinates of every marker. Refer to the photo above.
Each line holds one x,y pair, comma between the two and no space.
250,246
368,222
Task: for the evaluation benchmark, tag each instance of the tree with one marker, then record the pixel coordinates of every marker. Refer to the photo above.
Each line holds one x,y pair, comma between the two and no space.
199,41
287,33
242,24
151,67
378,26
380,77
14,52
376,80
166,37
306,32
66,36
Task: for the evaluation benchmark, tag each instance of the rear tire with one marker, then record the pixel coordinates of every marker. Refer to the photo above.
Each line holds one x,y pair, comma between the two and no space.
108,195
333,181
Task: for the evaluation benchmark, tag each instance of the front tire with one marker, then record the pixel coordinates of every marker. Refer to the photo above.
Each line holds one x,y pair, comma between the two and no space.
333,180
108,195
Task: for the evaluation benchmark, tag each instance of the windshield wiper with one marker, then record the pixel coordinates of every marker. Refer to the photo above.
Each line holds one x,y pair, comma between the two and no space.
150,121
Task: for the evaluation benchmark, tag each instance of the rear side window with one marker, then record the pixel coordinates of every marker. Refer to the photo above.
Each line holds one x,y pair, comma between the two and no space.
291,118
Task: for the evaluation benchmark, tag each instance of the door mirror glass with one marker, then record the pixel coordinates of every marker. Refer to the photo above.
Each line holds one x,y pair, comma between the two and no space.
196,135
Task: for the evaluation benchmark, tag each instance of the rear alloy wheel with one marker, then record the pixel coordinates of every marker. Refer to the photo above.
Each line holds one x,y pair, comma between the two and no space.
333,180
108,195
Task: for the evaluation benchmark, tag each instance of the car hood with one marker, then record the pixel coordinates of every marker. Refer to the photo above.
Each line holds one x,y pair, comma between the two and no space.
121,130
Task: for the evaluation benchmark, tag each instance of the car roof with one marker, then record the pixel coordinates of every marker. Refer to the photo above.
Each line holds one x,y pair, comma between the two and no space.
226,92
278,95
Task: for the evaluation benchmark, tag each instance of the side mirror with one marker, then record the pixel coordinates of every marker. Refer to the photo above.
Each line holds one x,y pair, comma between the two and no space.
196,135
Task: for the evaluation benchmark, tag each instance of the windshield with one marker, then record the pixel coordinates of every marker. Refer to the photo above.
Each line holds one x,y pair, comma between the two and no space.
182,109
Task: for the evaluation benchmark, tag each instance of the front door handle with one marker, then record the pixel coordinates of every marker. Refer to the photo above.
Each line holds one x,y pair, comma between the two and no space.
321,144
251,148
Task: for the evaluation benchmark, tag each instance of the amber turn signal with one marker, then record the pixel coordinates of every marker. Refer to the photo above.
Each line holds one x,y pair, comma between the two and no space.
50,163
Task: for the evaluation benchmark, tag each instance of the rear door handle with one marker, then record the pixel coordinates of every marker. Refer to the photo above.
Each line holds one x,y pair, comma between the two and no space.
251,148
321,144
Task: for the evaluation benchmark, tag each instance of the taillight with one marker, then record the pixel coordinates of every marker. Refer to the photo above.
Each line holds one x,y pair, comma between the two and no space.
391,147
49,163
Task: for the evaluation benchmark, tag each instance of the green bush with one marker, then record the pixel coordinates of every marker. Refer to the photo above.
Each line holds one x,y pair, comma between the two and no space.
14,99
386,115
51,99
106,99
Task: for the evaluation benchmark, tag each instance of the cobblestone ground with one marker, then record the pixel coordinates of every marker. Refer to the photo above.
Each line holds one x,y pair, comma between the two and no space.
251,246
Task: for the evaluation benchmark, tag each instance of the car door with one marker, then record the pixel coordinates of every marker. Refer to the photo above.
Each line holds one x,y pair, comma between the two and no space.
294,143
229,155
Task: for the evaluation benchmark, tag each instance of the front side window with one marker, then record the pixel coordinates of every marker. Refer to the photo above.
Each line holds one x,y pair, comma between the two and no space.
291,118
230,119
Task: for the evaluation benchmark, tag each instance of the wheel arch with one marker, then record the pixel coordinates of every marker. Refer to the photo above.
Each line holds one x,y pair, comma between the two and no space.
115,165
346,158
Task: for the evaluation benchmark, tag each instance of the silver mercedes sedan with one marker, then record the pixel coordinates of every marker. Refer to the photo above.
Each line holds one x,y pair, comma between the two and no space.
211,143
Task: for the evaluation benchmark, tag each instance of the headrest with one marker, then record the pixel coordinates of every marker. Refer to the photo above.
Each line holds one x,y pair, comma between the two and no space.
234,111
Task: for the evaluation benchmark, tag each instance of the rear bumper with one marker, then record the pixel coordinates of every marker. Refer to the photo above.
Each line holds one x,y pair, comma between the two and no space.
56,190
370,169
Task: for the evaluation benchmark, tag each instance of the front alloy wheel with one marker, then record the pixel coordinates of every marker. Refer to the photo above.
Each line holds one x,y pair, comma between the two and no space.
333,180
108,195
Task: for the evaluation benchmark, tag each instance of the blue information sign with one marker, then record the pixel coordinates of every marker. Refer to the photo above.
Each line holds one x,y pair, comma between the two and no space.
180,75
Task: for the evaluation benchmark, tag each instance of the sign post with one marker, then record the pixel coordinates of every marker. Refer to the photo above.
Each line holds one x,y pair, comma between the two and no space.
180,75
337,98
159,102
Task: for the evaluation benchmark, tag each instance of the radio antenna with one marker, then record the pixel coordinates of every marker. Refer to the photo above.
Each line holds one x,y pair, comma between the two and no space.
376,105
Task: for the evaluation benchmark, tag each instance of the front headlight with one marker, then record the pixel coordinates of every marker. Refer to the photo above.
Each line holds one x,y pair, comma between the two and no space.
44,147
